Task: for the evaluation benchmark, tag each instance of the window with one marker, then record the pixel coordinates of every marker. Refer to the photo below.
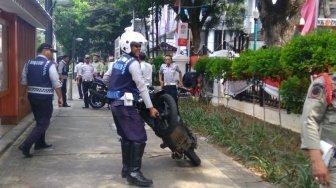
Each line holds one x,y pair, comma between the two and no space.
4,71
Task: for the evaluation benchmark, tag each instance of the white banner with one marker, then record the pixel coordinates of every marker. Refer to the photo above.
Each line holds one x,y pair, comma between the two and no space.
182,39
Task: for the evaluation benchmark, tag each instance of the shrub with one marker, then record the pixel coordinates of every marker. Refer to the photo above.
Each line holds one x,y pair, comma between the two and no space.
270,150
266,63
293,93
240,66
219,68
200,65
309,54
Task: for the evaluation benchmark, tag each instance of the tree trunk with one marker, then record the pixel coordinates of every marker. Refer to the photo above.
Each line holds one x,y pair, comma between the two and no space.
196,36
279,20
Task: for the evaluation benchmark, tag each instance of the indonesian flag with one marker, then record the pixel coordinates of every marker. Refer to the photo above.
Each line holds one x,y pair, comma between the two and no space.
308,12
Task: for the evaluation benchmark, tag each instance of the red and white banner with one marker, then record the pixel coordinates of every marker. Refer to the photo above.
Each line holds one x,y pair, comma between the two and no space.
182,38
308,13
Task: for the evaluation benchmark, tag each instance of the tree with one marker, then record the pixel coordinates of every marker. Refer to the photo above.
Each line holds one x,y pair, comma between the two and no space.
98,22
70,23
279,20
191,10
234,16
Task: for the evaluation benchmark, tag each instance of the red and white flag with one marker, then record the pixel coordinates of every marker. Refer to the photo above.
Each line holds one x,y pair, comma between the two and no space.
308,12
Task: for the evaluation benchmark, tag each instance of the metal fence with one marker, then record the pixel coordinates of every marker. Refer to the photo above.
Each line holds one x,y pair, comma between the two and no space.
254,94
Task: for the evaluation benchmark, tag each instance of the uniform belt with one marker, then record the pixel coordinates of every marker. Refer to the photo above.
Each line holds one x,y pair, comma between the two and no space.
87,80
170,84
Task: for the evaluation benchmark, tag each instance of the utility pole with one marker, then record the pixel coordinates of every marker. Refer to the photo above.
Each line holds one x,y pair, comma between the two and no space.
157,28
49,31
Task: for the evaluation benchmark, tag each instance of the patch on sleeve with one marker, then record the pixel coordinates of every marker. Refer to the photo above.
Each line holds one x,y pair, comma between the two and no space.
316,91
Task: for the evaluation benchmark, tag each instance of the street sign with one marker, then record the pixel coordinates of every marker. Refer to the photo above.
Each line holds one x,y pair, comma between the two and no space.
182,39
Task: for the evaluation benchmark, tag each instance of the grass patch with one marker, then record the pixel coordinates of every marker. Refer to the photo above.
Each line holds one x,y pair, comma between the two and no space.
266,149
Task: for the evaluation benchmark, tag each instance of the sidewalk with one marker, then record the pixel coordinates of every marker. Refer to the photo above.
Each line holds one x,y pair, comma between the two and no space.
86,153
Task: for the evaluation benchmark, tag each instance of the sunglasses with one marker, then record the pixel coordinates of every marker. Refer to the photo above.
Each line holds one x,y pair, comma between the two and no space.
137,46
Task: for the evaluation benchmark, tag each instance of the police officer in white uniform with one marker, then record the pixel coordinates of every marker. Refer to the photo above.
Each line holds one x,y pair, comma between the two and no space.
86,74
146,69
167,77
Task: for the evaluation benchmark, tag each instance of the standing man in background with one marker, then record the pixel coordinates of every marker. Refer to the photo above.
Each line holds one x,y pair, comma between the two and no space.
86,74
96,63
41,77
63,73
102,68
167,77
110,62
146,69
78,79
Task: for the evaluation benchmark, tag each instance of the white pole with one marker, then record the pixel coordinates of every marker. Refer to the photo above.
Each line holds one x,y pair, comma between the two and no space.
178,50
317,3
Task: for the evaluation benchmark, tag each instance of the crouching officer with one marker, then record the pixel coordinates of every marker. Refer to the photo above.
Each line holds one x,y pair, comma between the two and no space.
319,123
41,77
125,84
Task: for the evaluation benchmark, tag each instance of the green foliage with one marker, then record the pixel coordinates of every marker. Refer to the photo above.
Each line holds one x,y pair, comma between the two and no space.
200,65
265,63
293,93
234,17
240,66
219,68
158,61
195,15
71,23
309,54
270,150
98,22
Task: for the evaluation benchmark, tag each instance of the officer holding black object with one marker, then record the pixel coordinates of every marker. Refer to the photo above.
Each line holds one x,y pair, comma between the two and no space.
125,85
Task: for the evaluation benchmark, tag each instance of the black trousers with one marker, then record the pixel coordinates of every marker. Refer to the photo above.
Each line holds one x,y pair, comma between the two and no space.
79,86
64,92
86,86
42,110
171,90
130,126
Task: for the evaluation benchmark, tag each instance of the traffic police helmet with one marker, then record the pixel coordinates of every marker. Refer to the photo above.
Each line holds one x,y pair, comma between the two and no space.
131,38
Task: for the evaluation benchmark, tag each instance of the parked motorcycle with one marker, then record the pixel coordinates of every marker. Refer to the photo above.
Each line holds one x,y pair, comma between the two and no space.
98,91
170,127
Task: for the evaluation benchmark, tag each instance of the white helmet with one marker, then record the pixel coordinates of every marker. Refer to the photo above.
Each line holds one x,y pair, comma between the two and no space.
130,37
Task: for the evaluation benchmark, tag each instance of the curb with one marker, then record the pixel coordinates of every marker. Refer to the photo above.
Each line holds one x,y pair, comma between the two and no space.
12,135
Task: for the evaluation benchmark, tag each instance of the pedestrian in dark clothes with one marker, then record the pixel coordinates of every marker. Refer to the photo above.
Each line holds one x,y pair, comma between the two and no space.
41,78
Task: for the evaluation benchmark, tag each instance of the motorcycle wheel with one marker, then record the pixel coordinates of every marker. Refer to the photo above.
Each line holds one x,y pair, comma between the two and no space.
167,121
95,101
190,153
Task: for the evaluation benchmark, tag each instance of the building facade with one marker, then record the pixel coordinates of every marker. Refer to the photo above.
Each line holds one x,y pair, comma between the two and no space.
18,22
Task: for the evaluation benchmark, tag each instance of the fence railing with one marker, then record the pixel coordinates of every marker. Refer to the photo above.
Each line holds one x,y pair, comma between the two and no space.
254,94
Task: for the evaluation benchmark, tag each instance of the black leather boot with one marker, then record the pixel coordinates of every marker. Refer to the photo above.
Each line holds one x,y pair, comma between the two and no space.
25,150
134,175
125,152
41,143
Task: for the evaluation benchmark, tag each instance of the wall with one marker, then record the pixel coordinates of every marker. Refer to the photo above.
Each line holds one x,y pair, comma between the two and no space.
14,105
